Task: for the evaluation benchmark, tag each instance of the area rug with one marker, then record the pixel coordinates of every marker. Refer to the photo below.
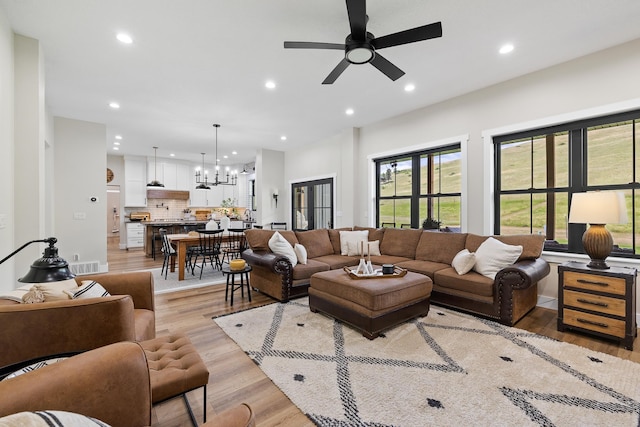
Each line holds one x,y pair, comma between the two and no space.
172,284
445,369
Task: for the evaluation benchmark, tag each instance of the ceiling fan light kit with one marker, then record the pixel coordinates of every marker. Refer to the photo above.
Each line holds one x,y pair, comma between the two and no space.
360,47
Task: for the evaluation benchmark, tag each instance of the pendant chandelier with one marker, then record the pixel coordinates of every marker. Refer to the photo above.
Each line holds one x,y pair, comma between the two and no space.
155,182
202,178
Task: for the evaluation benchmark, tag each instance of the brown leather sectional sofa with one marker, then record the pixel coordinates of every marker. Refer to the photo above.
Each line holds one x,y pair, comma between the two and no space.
32,331
506,299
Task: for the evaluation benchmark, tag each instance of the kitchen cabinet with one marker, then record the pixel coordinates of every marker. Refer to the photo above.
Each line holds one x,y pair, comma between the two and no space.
598,302
135,235
184,179
211,198
135,183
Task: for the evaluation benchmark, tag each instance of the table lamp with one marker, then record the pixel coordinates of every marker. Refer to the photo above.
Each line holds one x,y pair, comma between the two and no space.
49,268
597,209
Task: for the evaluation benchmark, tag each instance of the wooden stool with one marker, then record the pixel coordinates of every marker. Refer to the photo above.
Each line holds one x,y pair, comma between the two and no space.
175,368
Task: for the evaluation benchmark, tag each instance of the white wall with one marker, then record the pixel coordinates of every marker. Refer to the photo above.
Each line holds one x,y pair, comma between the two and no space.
80,225
29,150
7,222
270,176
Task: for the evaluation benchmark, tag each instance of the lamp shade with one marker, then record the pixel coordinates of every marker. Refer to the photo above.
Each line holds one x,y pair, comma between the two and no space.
598,207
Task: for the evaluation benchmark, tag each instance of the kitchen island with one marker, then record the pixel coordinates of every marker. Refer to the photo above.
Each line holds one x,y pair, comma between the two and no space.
173,226
176,226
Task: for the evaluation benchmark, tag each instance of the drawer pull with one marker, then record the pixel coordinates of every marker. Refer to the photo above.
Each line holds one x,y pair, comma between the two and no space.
593,282
590,322
598,303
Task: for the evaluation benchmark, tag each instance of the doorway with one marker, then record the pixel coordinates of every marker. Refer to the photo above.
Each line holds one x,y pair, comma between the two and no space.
312,204
113,210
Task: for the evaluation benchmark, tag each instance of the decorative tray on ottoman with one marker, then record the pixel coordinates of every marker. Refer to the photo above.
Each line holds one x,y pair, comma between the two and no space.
397,272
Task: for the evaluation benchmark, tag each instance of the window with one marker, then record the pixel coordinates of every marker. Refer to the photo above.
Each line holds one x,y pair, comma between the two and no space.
312,204
415,186
538,171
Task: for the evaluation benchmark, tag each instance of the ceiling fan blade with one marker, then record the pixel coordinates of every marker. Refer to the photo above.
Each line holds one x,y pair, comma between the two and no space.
313,45
430,31
357,11
333,75
390,70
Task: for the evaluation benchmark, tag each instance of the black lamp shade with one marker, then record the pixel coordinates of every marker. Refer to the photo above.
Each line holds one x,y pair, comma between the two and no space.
49,268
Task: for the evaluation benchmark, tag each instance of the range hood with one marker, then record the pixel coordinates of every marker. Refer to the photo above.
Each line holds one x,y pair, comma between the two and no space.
161,193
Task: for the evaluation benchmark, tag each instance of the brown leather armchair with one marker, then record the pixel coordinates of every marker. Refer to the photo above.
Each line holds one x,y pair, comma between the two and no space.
110,383
31,331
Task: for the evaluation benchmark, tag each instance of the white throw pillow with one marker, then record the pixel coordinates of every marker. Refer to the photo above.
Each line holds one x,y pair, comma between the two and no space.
351,236
280,246
493,255
49,418
464,261
301,253
89,289
370,248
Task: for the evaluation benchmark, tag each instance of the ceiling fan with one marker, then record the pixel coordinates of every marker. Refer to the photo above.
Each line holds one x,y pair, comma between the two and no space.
361,46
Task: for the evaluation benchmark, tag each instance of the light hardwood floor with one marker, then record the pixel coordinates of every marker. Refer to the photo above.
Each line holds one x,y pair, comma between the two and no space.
234,378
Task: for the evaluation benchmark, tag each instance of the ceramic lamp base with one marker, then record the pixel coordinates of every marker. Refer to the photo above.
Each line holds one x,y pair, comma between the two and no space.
598,243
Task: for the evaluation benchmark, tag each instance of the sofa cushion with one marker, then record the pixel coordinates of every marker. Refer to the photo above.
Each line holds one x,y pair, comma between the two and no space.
464,261
471,282
493,255
352,236
316,242
374,233
440,247
301,253
279,246
338,261
305,271
428,268
532,244
388,259
334,236
258,240
400,242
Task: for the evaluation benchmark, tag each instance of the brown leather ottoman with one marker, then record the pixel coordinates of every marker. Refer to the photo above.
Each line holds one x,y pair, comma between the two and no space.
175,368
370,305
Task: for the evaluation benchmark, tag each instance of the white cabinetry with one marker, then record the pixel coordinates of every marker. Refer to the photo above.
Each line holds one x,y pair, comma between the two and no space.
183,177
198,198
135,235
135,185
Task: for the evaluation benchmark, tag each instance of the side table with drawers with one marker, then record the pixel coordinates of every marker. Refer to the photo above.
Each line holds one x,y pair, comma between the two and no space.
598,302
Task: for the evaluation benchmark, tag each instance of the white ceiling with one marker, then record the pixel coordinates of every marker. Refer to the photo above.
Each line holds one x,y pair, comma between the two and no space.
198,62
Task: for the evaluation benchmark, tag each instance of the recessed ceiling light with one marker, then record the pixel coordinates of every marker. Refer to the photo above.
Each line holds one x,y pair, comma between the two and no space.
118,136
234,152
116,143
283,138
506,48
172,155
225,157
116,148
114,105
124,38
270,84
409,87
349,111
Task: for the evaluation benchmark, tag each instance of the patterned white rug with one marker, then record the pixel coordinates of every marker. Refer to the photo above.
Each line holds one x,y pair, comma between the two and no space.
446,369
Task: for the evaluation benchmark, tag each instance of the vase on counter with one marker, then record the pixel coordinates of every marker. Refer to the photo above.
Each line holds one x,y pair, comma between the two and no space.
211,225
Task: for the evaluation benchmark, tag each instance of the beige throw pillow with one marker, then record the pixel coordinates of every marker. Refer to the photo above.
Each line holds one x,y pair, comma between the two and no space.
54,291
352,236
493,255
464,261
370,248
280,246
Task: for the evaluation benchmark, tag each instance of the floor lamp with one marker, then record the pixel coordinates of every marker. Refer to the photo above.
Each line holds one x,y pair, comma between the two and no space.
597,209
49,268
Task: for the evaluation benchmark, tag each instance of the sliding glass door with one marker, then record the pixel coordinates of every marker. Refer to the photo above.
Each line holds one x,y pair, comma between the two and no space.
312,204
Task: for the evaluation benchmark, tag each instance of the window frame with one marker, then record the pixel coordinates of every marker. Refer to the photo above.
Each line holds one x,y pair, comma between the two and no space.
416,195
578,171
